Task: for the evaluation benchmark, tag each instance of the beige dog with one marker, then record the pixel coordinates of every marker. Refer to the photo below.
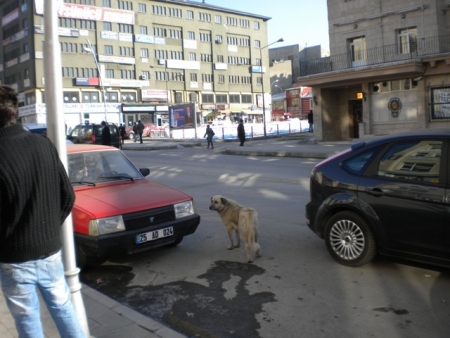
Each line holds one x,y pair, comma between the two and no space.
244,222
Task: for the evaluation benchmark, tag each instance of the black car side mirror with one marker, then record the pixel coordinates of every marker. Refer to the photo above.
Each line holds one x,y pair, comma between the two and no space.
145,171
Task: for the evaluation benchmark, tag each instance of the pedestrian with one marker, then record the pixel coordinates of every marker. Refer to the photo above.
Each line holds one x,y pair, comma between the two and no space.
35,198
311,121
209,136
106,134
135,131
140,129
241,132
122,133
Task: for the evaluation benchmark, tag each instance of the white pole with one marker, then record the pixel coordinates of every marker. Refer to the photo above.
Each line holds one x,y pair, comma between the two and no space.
56,133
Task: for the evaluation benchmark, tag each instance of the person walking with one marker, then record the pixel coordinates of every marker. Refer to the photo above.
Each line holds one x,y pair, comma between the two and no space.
311,121
122,133
241,132
106,134
209,136
140,129
35,198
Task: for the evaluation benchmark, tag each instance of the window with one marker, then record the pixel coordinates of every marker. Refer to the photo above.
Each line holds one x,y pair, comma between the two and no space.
192,57
106,3
207,78
143,30
142,8
127,74
128,97
193,97
358,51
235,98
407,40
107,26
218,19
258,62
109,73
359,162
162,76
190,15
221,78
71,97
90,97
159,32
256,25
158,10
204,17
125,28
193,77
220,58
440,103
205,37
191,36
206,57
176,55
175,34
144,53
145,75
108,50
221,98
112,96
257,44
126,5
412,160
160,54
208,98
175,12
246,98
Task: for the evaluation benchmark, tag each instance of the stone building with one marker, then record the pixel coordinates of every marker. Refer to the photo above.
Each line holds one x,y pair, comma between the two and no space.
388,69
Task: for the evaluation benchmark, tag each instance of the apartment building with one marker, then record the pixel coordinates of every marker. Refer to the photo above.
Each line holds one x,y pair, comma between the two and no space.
388,69
130,60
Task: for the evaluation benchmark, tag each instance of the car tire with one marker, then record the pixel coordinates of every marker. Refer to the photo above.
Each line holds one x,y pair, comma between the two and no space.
84,261
349,239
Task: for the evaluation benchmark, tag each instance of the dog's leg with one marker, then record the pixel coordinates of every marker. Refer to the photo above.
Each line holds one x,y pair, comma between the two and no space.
257,250
238,239
230,235
248,251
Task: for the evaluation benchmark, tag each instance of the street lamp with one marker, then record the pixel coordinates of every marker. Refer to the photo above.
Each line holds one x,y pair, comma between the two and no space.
262,82
91,50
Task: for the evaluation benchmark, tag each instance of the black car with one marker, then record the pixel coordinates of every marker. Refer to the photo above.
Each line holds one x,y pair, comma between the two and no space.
390,195
92,133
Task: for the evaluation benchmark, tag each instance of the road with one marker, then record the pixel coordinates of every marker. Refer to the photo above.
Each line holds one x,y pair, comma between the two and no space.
294,290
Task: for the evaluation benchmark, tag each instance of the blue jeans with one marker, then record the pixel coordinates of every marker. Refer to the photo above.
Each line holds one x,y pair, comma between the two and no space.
19,283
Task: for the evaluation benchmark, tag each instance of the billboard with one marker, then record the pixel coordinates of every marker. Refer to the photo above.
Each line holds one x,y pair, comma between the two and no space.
182,115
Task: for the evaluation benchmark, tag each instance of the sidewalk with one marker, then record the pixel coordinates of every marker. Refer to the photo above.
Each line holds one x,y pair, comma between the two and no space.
296,145
108,318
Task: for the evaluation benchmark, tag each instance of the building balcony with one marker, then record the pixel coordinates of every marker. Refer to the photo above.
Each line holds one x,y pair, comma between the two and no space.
380,56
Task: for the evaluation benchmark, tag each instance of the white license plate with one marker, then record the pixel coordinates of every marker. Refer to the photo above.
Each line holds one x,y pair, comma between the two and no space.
154,235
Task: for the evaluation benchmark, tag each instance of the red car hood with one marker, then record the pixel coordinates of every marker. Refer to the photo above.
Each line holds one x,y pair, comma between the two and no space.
125,197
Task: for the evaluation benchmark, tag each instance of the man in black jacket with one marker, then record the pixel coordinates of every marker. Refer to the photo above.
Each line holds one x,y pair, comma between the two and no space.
35,199
140,129
106,134
241,132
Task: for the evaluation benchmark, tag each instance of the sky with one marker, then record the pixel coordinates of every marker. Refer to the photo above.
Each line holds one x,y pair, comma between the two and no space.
303,22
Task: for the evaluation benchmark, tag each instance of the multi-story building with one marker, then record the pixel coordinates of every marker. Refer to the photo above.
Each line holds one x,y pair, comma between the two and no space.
130,60
388,69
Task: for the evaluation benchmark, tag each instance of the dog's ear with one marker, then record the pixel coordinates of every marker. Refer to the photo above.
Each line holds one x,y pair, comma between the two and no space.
223,200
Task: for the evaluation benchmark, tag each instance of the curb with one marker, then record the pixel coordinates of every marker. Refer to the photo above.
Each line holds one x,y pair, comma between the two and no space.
276,154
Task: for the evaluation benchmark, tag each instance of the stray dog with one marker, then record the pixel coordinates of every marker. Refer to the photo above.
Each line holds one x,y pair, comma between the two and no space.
244,222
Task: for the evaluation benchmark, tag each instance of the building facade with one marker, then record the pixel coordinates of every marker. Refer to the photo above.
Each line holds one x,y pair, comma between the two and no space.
129,60
388,69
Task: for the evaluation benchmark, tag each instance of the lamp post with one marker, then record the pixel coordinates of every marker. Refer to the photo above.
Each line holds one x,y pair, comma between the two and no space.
91,50
262,82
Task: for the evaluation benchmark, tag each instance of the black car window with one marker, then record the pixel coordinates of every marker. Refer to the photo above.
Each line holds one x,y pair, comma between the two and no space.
412,160
358,163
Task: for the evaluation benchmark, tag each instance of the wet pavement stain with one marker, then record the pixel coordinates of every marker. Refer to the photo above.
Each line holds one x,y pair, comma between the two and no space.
192,309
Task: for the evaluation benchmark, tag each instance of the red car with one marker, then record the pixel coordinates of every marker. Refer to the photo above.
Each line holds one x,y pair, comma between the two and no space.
117,211
150,129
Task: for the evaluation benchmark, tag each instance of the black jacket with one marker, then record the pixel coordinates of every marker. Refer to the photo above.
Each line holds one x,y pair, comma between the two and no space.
35,196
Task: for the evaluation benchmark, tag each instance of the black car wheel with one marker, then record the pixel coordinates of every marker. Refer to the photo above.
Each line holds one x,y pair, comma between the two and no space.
349,239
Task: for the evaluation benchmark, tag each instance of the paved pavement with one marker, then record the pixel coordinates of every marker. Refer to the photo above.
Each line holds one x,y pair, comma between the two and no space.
108,318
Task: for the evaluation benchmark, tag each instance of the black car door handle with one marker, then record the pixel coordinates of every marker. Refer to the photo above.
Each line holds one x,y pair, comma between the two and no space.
376,192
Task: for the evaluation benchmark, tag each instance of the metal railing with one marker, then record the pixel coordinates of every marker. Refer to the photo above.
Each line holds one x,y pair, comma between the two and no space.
379,55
